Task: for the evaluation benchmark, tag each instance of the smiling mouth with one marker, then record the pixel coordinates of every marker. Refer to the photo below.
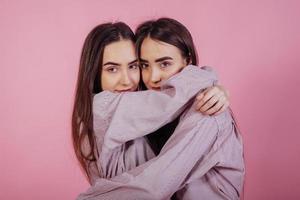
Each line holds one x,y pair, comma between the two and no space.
127,90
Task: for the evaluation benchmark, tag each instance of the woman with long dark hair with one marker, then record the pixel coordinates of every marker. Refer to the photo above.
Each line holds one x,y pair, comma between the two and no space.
89,83
203,157
165,47
108,62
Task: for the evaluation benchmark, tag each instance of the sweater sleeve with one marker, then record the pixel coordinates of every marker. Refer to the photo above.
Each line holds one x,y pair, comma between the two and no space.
126,116
163,175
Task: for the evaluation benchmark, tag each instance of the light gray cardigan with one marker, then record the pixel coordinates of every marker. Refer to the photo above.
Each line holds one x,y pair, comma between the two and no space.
203,159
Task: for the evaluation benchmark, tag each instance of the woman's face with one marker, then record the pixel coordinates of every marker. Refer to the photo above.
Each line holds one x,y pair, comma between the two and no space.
159,61
120,70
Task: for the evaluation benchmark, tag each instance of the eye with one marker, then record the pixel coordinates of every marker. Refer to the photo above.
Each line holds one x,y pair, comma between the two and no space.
112,69
133,67
165,64
144,66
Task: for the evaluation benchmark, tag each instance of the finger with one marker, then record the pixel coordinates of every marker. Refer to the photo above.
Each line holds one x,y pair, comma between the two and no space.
207,95
198,99
215,108
200,96
210,103
226,105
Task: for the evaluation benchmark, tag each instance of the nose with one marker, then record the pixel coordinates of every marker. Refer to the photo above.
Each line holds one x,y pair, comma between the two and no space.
155,75
125,79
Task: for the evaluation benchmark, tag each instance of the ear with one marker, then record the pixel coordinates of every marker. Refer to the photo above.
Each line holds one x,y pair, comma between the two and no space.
188,61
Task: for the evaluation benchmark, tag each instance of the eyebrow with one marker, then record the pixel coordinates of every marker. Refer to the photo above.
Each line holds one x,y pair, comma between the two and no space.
163,58
142,60
132,62
111,63
158,59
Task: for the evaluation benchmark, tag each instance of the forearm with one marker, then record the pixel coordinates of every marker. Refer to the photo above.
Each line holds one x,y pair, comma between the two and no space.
135,114
162,176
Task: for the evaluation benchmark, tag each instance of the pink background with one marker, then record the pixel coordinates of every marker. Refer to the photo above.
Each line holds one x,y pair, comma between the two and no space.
254,45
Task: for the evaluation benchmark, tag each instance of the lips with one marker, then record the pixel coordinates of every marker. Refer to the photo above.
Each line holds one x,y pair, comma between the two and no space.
126,90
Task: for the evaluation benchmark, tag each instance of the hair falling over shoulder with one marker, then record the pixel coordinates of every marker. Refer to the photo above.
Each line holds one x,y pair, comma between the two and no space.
88,84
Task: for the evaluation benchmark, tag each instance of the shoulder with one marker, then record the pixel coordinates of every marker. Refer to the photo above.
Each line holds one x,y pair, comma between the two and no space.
214,123
103,97
102,101
224,119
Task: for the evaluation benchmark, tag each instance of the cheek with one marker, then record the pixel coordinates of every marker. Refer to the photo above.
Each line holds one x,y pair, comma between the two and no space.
109,81
168,74
145,76
172,71
135,77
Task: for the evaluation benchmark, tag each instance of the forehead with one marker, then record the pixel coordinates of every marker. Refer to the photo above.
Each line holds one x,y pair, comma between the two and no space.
122,51
151,48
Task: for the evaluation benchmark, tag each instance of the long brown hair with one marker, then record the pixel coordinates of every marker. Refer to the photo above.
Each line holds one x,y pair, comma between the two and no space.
88,84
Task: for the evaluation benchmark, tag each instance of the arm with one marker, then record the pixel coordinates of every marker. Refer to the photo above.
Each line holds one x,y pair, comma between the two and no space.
131,115
162,176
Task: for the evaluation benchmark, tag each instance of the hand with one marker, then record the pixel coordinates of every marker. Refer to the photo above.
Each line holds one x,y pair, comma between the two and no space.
213,100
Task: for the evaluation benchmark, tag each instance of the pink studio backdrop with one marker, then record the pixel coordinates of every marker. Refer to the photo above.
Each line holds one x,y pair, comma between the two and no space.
254,45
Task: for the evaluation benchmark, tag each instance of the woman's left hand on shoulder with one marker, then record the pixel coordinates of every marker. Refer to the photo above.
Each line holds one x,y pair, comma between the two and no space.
213,100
